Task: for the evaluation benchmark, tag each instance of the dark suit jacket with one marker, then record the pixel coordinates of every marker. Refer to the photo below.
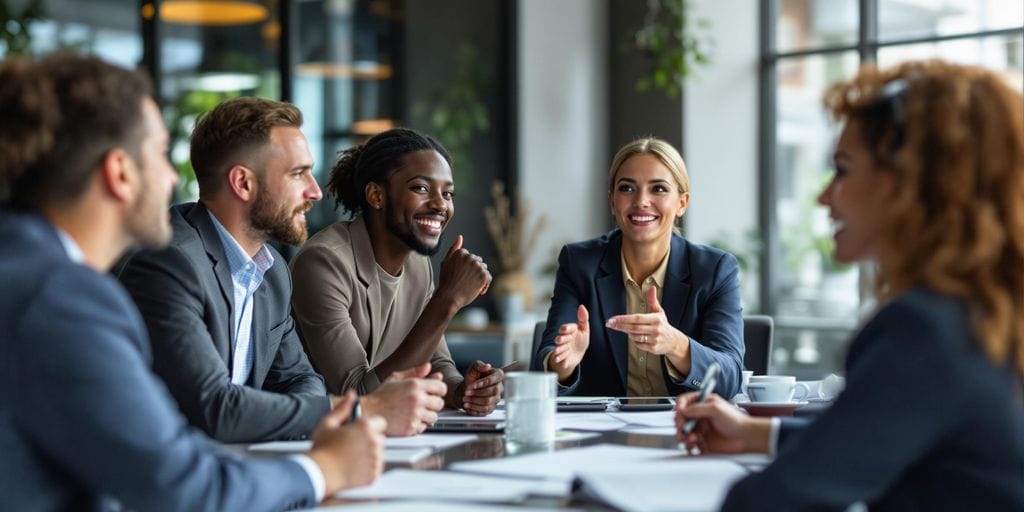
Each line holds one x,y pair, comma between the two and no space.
701,298
82,416
185,295
926,423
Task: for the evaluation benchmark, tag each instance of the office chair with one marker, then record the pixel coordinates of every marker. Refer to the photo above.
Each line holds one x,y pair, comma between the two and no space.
538,333
758,331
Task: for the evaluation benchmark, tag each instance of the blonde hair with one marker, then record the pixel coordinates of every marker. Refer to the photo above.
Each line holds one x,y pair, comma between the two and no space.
658,148
952,136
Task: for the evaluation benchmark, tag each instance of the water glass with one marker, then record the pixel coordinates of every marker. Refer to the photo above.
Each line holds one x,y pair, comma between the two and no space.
530,407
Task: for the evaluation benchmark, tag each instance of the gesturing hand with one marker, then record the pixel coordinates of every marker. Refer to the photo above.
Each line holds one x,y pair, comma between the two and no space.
464,275
651,331
482,389
570,344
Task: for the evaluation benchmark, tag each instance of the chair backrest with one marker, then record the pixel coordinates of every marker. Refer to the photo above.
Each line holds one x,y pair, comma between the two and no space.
538,333
758,331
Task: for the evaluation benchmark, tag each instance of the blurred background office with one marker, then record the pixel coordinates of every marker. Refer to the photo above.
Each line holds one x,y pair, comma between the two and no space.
535,95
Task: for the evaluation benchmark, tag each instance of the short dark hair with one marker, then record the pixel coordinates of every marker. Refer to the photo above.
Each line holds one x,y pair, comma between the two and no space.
232,130
373,162
61,115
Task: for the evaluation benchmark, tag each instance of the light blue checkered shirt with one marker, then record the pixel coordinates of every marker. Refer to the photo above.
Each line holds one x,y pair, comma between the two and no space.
246,275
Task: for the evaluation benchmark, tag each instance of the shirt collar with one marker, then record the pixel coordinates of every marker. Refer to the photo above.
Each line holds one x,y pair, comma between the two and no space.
659,273
237,257
72,249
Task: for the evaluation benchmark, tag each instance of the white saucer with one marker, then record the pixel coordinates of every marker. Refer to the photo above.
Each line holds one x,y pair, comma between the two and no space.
794,403
772,408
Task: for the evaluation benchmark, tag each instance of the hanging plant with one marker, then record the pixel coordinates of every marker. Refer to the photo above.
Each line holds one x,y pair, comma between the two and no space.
674,43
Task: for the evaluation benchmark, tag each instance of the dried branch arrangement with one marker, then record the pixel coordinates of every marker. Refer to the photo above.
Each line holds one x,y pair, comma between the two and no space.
513,238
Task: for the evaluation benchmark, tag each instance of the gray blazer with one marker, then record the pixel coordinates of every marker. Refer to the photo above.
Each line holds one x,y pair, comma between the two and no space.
185,295
82,418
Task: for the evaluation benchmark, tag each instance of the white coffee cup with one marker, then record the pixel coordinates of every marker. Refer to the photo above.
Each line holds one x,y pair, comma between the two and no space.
807,389
530,407
771,388
746,380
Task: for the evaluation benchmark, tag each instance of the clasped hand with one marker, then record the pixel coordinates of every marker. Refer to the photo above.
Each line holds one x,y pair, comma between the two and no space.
481,390
464,275
409,400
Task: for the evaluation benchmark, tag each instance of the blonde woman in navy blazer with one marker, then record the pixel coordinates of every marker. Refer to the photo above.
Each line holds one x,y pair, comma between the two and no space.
685,311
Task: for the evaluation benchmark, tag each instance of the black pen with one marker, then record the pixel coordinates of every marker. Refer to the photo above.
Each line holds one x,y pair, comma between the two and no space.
710,379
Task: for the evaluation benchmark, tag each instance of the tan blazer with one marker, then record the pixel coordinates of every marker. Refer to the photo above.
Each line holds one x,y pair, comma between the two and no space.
336,302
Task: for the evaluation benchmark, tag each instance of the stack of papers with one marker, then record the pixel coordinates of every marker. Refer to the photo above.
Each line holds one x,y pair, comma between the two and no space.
496,416
686,484
398,450
448,485
564,465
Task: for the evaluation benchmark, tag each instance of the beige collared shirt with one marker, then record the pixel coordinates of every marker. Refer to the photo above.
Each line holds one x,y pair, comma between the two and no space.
644,377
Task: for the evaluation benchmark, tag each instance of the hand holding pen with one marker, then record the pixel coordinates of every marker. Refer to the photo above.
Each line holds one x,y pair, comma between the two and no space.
482,388
710,379
708,423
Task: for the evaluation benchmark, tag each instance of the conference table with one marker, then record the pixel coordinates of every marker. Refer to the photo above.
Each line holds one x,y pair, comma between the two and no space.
491,446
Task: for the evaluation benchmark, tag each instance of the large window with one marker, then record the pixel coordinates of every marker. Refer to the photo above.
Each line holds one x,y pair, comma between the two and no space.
806,45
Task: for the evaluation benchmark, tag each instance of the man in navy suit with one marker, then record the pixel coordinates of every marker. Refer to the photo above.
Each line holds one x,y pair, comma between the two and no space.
84,424
217,300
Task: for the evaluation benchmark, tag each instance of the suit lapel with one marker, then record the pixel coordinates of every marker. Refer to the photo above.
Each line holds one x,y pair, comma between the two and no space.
199,218
612,298
676,292
366,271
260,343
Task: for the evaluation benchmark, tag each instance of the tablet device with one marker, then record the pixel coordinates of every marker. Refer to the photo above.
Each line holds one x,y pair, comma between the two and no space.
576,406
468,426
646,404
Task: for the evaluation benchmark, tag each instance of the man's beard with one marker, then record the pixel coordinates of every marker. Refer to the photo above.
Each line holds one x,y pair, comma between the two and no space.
278,222
405,234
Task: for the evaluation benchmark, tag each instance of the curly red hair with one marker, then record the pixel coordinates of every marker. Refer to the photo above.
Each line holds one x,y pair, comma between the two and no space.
953,138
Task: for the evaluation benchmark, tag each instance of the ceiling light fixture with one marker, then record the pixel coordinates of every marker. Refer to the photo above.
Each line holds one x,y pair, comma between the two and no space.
212,12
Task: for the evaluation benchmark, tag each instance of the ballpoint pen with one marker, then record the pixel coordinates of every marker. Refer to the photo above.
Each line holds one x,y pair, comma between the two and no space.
509,366
710,379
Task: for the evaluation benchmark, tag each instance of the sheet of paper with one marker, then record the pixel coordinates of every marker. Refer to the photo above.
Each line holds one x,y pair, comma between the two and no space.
650,431
589,421
405,455
282,446
397,450
646,419
563,465
496,416
448,485
429,506
685,484
608,421
569,435
436,441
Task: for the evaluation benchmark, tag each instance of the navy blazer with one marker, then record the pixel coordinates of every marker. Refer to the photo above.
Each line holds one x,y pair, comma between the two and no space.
186,297
926,423
82,419
701,298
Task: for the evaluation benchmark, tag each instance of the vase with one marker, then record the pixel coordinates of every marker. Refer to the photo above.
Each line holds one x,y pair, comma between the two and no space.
515,282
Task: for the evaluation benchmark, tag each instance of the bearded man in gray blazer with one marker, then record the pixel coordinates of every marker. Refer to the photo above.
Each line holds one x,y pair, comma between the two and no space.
216,300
